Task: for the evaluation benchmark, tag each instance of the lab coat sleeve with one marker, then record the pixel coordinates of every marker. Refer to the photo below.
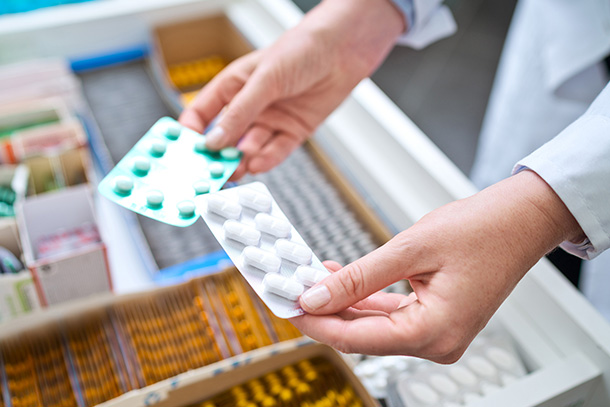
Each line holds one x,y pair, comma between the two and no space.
427,20
576,164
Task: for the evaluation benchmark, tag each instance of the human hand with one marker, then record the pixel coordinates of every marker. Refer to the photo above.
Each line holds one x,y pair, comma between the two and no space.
462,261
276,97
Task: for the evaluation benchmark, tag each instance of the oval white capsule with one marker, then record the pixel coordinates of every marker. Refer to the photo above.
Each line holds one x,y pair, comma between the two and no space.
272,225
283,286
462,375
252,199
501,358
482,367
261,259
309,275
224,207
424,394
293,251
444,384
239,232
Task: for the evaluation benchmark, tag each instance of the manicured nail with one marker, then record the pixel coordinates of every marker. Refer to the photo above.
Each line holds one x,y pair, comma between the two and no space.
316,297
214,137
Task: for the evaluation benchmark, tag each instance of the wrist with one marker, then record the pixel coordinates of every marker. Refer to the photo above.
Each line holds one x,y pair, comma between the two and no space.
360,32
544,218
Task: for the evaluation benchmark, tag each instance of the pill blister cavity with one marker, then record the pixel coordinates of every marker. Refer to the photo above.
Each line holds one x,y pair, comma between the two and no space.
501,358
158,148
463,375
309,276
224,207
140,166
424,394
217,170
154,199
200,146
186,209
282,286
443,384
252,199
201,187
482,367
230,153
123,185
261,259
293,252
239,232
172,131
272,225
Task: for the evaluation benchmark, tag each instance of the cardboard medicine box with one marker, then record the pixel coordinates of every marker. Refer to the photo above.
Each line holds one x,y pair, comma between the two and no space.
17,292
61,245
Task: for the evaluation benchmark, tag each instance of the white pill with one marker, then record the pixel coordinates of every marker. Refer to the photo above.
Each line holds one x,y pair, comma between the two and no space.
224,207
254,200
201,187
443,384
507,378
471,398
501,358
272,225
424,394
230,153
123,185
158,148
482,367
173,131
154,198
283,286
140,166
489,388
309,276
200,146
186,209
245,234
462,375
217,170
261,259
294,252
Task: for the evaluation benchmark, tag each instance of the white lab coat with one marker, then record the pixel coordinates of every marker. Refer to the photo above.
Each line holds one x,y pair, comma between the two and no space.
549,74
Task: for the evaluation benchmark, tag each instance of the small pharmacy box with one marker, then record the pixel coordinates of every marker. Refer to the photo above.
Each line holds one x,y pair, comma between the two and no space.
62,246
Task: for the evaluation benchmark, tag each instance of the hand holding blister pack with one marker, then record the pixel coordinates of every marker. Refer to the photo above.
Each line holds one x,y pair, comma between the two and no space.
164,172
263,245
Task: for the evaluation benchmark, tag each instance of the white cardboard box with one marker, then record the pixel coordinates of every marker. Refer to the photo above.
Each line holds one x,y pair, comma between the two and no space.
73,274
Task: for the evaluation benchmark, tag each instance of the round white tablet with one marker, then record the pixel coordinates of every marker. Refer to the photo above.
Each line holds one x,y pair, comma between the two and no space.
123,185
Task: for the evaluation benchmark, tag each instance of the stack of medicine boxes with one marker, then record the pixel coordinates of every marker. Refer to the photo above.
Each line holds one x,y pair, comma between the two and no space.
51,226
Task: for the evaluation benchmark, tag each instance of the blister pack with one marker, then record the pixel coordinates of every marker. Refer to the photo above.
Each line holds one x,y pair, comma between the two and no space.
489,365
164,172
263,245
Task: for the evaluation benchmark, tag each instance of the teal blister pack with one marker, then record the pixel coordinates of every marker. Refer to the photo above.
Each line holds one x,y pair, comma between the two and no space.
164,172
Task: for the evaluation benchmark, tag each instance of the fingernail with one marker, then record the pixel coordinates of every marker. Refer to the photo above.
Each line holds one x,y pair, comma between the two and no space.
316,297
214,137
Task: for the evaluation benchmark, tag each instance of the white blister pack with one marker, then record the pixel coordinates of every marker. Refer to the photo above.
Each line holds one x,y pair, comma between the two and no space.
263,245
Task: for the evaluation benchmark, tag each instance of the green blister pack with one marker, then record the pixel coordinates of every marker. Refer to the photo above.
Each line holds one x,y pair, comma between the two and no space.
164,172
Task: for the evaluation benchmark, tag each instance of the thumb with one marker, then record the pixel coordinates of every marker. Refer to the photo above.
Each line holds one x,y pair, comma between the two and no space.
355,282
242,111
